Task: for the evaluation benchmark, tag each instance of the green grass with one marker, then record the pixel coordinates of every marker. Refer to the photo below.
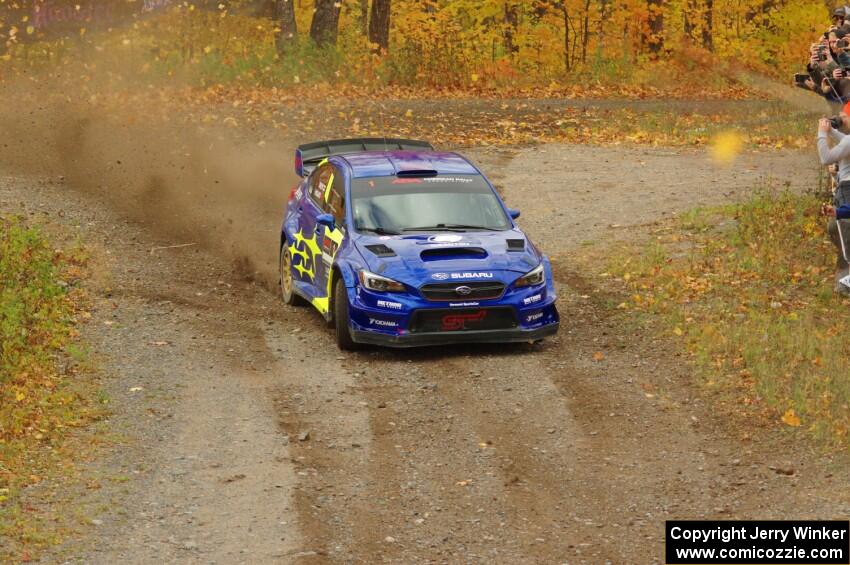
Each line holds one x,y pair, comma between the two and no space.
748,290
43,393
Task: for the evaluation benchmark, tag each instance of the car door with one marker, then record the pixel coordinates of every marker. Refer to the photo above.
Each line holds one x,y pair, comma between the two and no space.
306,253
330,240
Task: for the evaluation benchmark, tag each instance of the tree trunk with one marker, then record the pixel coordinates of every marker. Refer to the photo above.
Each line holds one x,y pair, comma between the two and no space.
585,31
379,25
655,40
690,14
511,21
264,9
325,25
285,16
600,29
708,26
364,17
566,36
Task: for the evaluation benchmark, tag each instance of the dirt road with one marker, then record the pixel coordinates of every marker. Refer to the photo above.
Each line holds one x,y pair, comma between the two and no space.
249,438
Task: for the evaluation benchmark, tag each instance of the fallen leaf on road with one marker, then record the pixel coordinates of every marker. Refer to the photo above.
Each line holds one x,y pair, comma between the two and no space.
598,356
790,418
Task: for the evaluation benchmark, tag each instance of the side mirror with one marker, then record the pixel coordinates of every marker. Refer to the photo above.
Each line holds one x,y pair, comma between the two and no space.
326,220
513,213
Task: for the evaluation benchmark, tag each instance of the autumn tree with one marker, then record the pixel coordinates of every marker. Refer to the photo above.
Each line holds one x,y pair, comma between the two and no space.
285,15
379,25
325,25
708,26
511,23
655,37
699,22
363,17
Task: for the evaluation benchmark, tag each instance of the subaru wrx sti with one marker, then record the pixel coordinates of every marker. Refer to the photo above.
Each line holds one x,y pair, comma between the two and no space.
399,245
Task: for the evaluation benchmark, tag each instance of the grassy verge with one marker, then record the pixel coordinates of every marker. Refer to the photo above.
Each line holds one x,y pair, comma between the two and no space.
43,391
748,290
661,126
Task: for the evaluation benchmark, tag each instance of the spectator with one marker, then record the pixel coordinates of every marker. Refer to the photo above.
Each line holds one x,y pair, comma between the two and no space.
838,154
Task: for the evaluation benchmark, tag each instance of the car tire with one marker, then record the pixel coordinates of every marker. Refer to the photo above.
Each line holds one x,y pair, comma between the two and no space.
341,318
287,285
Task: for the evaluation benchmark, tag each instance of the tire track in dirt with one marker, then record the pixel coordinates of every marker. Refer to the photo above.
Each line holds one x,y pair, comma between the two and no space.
319,408
450,503
536,443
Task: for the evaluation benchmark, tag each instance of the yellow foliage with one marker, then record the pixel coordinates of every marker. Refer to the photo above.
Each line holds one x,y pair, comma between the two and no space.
790,418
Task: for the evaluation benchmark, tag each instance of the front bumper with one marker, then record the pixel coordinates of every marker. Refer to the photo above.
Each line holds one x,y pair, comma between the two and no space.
444,338
407,320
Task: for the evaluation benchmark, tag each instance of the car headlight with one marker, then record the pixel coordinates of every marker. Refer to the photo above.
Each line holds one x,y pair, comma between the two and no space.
379,283
533,277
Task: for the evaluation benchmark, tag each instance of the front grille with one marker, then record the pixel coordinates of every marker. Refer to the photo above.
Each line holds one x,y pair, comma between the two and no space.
462,319
469,291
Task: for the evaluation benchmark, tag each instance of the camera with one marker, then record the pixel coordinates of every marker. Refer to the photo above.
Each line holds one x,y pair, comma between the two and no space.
801,78
835,122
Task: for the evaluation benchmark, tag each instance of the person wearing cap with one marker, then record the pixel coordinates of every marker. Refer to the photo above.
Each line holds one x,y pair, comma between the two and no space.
838,154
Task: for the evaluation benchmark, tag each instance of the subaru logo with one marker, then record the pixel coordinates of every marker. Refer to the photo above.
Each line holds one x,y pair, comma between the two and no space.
463,290
440,276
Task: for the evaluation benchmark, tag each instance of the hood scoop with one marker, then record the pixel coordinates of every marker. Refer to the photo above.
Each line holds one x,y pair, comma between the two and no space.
381,250
450,253
516,244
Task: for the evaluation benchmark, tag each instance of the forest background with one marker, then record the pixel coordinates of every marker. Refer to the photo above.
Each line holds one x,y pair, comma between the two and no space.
605,46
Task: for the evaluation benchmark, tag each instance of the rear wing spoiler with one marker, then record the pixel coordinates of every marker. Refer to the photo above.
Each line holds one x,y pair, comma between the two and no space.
309,155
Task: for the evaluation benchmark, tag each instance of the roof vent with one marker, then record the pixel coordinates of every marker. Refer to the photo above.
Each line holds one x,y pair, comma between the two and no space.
381,250
516,244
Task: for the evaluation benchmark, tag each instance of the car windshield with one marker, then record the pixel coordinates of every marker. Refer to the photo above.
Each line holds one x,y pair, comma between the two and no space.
393,205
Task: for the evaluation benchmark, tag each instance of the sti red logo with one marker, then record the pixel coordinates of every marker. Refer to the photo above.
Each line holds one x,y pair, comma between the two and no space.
454,322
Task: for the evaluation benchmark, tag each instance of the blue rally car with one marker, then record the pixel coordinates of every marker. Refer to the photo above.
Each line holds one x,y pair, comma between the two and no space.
397,244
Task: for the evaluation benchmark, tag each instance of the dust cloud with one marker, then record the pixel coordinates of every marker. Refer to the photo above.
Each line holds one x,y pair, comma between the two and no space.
190,184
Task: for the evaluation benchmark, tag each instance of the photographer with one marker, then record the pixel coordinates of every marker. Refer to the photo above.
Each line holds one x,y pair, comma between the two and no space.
836,88
838,48
840,209
828,70
820,76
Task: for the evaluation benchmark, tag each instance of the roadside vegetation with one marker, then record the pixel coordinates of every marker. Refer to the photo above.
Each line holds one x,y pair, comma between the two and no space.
44,391
747,290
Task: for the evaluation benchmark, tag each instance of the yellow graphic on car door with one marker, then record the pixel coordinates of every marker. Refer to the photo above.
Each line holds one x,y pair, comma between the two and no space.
306,252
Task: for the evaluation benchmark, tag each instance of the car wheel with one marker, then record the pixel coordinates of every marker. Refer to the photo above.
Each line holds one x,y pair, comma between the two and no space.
341,318
287,285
